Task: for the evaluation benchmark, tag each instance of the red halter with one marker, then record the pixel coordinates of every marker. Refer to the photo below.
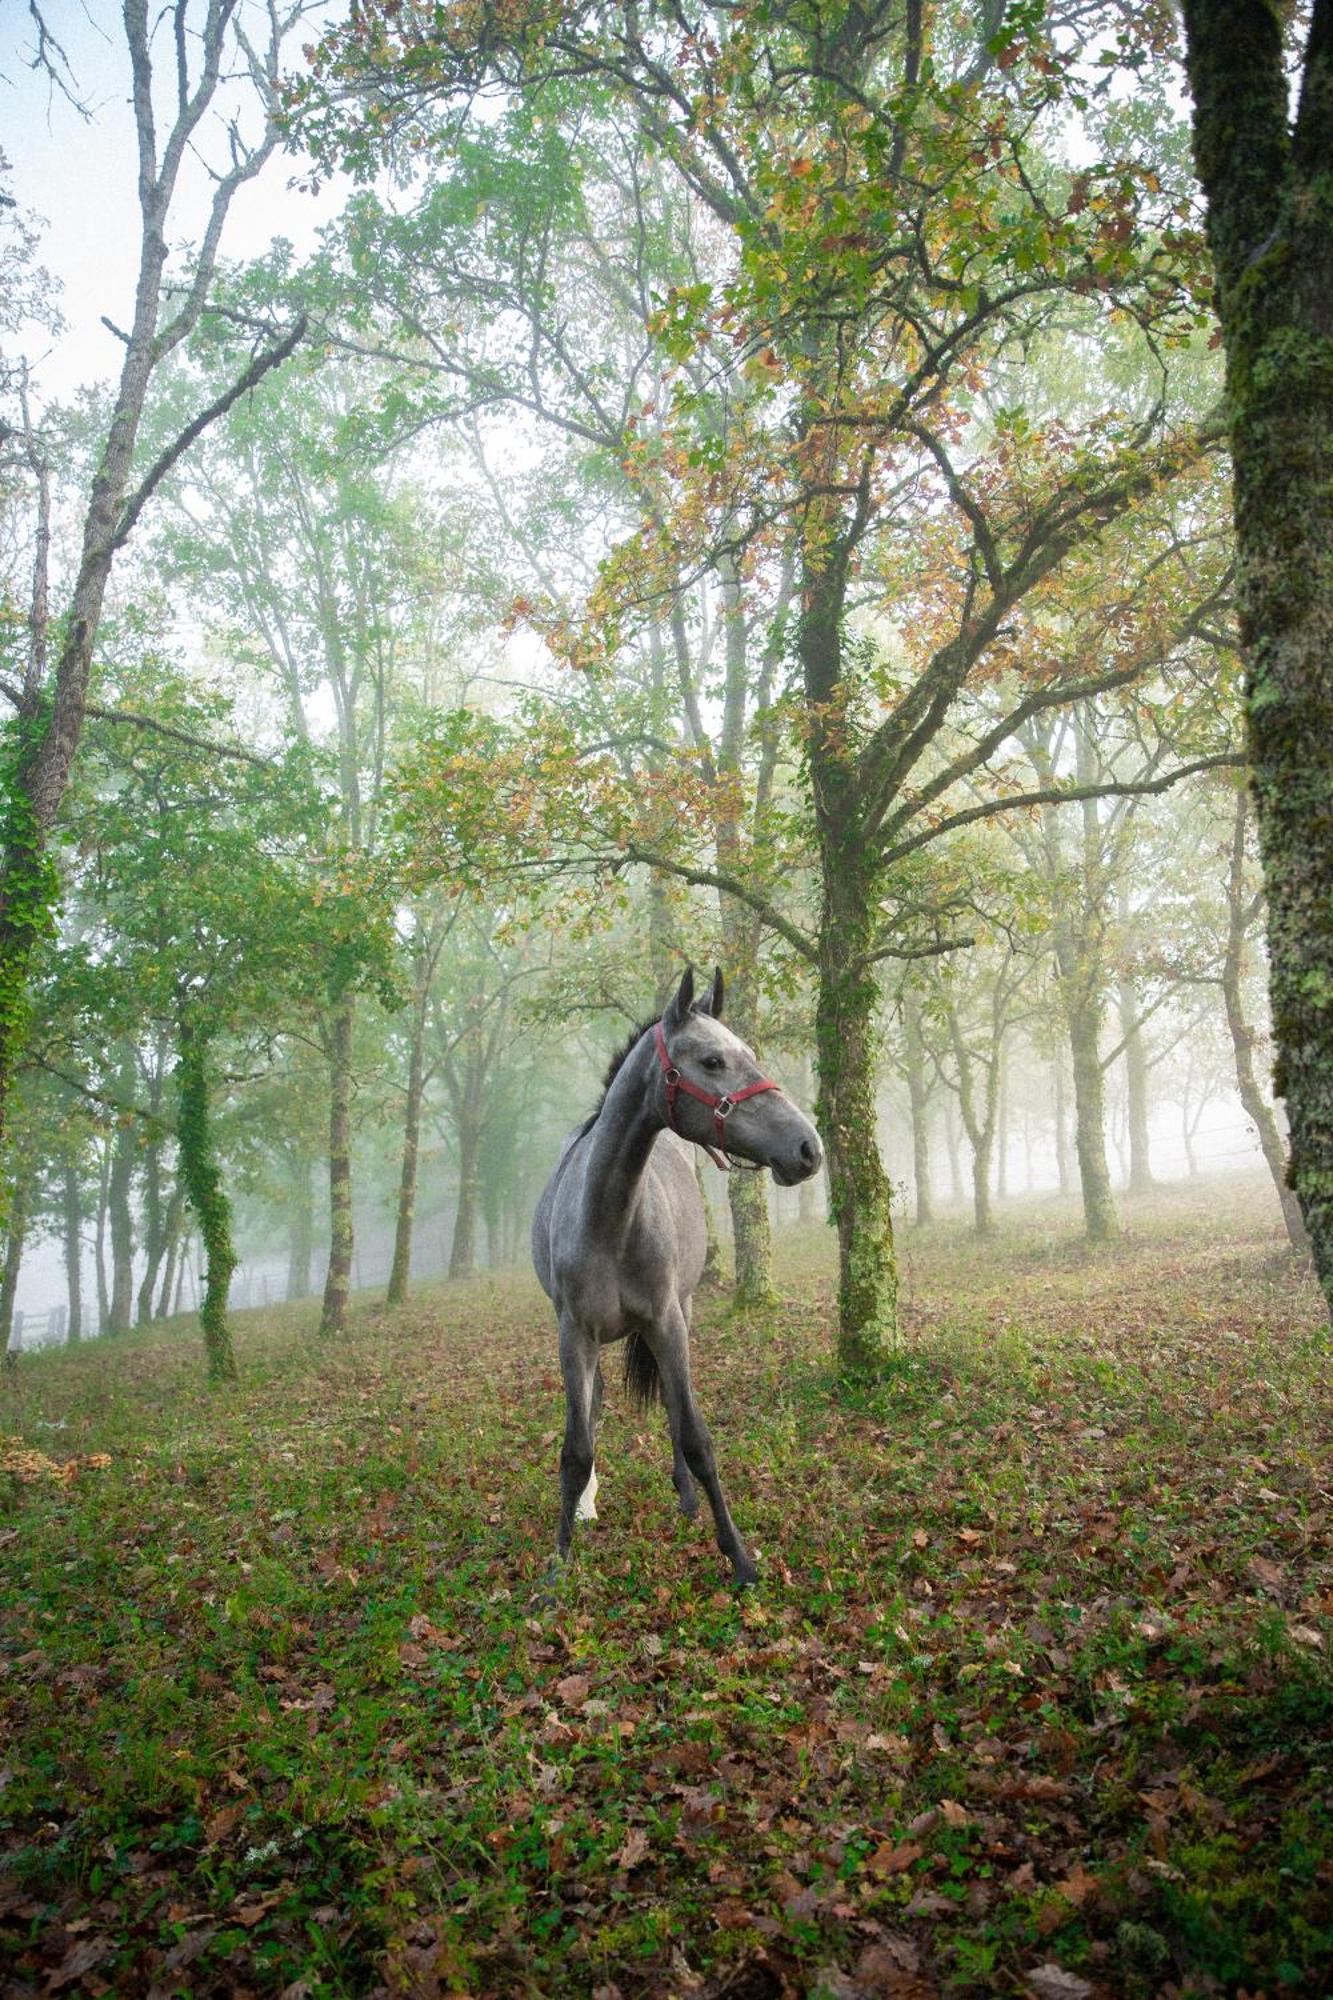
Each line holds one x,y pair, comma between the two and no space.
721,1106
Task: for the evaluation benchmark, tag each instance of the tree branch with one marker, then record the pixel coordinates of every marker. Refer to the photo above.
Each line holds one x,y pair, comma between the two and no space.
1056,795
271,358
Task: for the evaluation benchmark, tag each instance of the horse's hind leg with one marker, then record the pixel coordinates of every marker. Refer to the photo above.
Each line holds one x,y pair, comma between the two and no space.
684,1484
692,1446
579,1366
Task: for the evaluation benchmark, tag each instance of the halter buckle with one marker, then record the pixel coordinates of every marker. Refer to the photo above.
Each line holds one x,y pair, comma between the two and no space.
723,1108
673,1077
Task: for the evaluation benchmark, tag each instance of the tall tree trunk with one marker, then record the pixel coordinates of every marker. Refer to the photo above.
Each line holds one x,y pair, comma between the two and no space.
300,1230
16,1230
337,1283
463,1248
174,1231
72,1221
1136,1090
1253,1102
203,1184
100,1235
122,1226
401,1269
847,1002
1270,226
918,1097
154,1221
1083,1016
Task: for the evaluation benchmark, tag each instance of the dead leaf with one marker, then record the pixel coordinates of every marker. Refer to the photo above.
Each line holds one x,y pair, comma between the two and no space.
890,1860
1051,1982
573,1690
634,1850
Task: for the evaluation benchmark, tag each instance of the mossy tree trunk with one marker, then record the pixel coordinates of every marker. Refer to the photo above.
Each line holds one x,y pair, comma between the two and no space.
16,1231
847,1001
1267,173
338,1281
203,1184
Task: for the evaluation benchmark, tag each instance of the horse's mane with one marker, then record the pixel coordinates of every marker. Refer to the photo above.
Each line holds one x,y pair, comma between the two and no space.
613,1068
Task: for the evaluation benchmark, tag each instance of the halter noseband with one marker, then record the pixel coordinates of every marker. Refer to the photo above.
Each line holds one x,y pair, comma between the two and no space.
721,1105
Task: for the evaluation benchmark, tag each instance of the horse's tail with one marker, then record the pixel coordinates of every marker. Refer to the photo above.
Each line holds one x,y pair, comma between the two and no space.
643,1384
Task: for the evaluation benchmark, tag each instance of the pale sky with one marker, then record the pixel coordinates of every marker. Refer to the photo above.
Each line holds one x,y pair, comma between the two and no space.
78,176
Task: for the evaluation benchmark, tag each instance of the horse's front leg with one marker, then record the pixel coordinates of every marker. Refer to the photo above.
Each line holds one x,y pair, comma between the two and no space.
579,1366
690,1438
586,1510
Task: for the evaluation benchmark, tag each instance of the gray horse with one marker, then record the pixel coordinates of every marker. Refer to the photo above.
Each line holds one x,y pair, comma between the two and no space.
619,1237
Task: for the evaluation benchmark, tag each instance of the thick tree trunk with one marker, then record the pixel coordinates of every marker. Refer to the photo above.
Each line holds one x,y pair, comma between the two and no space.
847,1002
203,1184
860,1194
337,1283
300,1231
1255,1105
1084,1019
72,1222
122,1227
401,1269
918,1097
747,1194
1270,227
463,1248
16,1230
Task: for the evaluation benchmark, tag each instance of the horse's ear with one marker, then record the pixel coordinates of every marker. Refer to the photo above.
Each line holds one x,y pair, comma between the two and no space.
678,1006
712,1000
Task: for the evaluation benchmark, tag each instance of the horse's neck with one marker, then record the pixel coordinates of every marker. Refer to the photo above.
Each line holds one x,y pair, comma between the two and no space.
620,1143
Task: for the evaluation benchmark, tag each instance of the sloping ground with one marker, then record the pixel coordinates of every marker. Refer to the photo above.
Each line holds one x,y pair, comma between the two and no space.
1034,1696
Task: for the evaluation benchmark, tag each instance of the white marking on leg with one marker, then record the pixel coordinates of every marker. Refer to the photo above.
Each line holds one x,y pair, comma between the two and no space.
587,1507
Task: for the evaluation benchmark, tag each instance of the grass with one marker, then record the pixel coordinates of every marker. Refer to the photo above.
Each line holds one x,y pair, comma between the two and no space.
1035,1688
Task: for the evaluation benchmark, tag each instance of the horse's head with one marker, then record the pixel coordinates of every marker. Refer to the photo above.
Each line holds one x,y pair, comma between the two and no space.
722,1097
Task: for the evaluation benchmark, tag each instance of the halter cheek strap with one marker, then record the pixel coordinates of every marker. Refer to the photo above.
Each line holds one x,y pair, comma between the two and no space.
721,1105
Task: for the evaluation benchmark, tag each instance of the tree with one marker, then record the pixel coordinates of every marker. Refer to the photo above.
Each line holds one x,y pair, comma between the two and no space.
872,277
1263,155
208,49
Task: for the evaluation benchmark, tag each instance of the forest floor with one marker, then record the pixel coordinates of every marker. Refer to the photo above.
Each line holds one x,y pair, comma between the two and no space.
1034,1696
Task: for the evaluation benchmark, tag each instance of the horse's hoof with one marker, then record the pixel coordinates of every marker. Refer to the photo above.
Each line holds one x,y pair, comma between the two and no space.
549,1591
689,1505
744,1577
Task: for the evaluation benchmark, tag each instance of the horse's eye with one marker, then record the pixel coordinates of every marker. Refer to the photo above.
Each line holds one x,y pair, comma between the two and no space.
714,1062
